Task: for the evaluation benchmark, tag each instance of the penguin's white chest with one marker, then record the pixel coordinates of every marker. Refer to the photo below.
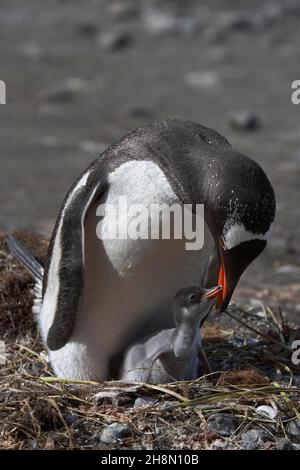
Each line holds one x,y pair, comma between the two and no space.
129,282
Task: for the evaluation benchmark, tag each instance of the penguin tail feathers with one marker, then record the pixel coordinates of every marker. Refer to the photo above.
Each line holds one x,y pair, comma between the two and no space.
25,258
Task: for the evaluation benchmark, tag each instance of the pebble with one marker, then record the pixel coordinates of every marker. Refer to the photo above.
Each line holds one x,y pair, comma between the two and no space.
106,394
32,444
291,7
288,269
49,444
236,21
32,51
111,41
223,424
157,22
3,353
138,111
284,444
252,439
228,22
293,428
245,121
266,411
87,29
70,417
166,405
256,312
296,380
143,401
36,367
220,444
115,432
92,147
123,10
65,92
206,79
272,12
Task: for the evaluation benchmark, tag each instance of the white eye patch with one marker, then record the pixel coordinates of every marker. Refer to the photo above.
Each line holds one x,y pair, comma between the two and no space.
236,233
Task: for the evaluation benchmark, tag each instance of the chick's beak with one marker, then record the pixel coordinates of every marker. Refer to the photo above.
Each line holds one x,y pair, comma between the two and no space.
213,292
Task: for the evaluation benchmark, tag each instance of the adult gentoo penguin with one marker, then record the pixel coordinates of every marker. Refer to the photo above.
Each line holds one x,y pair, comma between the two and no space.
101,295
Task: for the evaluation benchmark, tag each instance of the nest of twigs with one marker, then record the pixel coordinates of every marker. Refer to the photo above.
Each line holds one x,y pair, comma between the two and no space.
250,350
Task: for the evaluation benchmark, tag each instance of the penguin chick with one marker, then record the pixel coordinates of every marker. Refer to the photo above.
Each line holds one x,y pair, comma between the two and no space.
172,354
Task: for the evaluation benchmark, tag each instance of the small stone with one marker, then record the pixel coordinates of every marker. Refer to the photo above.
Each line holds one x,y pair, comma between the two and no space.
284,444
297,380
87,29
123,10
138,112
158,23
266,411
106,394
206,79
66,92
92,147
291,7
166,405
48,141
37,367
143,401
115,433
272,12
3,353
288,269
245,121
70,417
253,439
228,22
32,444
293,428
32,51
222,444
49,444
237,21
223,424
114,40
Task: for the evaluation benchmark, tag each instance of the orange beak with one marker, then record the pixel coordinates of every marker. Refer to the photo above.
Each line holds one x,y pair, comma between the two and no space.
214,292
223,283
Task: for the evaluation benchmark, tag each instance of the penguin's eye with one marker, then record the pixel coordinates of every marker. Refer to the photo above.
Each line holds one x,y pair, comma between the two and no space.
192,297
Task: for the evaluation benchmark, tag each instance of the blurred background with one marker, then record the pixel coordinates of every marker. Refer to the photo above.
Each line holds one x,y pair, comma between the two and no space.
80,74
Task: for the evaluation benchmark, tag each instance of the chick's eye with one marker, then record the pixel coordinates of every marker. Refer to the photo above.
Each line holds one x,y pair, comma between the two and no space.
192,298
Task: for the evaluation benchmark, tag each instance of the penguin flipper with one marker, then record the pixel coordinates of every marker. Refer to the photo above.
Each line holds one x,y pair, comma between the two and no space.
138,368
64,276
25,258
150,374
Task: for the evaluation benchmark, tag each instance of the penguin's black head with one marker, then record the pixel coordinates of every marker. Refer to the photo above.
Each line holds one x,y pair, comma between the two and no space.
233,263
240,209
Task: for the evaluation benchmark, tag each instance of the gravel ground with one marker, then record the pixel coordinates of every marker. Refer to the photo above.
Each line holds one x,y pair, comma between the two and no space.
251,401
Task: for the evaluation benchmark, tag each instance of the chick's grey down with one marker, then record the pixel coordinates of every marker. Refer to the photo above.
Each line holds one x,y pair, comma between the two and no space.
173,354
